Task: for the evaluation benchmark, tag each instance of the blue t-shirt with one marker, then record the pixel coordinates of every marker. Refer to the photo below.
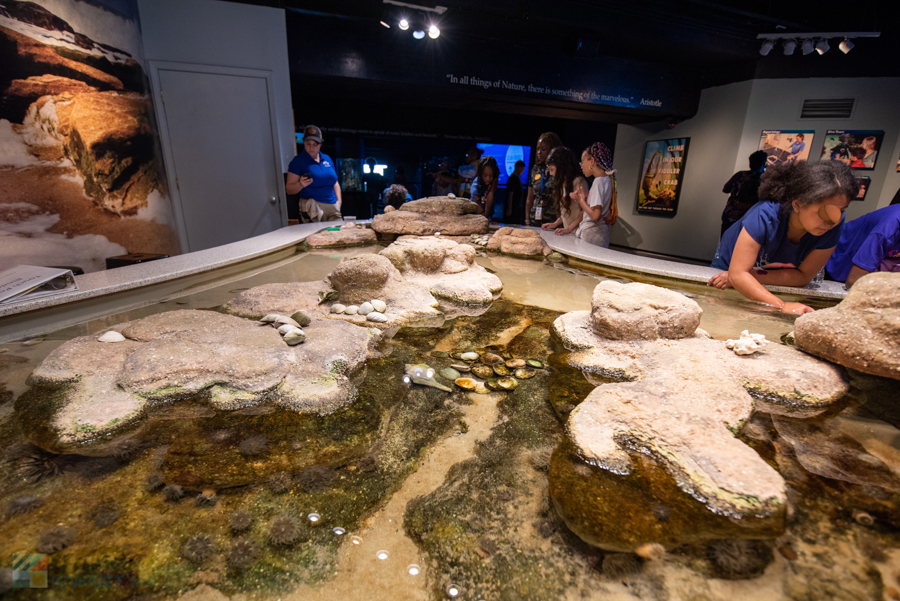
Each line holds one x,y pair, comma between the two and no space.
865,242
323,174
769,228
797,147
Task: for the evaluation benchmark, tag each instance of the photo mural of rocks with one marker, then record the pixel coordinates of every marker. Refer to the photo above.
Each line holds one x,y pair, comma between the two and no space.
81,171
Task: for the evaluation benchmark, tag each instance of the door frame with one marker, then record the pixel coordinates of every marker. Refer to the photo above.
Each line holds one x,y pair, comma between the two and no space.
165,140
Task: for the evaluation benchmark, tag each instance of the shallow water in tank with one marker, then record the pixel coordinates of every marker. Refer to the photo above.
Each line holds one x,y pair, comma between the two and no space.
416,493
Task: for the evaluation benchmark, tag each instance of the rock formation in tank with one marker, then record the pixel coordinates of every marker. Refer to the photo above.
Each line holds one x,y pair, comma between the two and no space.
446,215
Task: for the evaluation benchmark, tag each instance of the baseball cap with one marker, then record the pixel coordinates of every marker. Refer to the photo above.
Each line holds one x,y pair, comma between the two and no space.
312,132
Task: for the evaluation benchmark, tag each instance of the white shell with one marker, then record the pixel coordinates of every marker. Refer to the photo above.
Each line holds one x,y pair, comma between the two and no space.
337,308
111,336
379,305
295,337
281,320
468,356
365,308
287,329
271,317
351,310
747,344
376,317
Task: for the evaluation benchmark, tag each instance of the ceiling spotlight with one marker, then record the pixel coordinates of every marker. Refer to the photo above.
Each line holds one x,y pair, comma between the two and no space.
846,46
404,24
434,32
807,47
383,24
767,47
822,47
789,47
418,34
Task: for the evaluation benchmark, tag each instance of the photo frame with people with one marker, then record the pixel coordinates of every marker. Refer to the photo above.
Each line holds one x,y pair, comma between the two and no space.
858,148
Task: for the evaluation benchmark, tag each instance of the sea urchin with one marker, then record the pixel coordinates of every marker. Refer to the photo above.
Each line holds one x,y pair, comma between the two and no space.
23,505
243,553
198,547
254,445
56,539
240,521
284,530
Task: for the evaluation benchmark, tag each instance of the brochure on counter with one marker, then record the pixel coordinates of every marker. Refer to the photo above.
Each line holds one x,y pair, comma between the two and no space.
28,282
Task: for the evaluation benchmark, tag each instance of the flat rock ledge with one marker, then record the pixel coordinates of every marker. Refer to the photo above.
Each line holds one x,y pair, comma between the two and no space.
352,282
348,237
519,242
233,363
445,268
862,331
428,216
681,401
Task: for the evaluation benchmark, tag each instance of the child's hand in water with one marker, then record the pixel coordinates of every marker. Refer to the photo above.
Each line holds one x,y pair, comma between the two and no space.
720,281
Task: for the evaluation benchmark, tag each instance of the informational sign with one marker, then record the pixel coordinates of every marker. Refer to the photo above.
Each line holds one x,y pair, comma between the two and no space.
786,146
661,176
856,148
27,282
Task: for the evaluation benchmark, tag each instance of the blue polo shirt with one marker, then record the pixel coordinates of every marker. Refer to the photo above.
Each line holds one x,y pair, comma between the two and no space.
769,228
323,174
865,242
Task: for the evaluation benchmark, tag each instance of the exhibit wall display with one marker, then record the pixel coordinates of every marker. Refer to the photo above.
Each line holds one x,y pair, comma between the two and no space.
863,183
662,174
80,160
350,174
786,146
857,148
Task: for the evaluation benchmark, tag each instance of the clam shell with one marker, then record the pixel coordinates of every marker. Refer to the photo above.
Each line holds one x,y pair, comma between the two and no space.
111,336
285,320
294,337
491,359
271,317
450,373
365,309
286,328
440,354
515,363
524,373
502,370
327,295
470,356
302,318
461,368
507,383
379,305
466,383
481,388
376,317
482,371
493,384
351,310
535,363
337,308
456,355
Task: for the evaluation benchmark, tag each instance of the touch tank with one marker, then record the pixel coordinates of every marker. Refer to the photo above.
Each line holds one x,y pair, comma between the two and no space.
443,459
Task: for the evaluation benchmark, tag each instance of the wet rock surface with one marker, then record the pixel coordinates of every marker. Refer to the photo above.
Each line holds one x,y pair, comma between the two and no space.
232,363
638,311
862,331
425,217
680,401
447,269
517,241
348,237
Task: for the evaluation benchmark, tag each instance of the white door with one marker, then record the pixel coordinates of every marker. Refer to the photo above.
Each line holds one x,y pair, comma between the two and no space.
219,132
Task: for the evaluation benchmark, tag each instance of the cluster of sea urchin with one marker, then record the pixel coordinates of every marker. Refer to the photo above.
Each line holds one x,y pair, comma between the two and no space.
254,445
56,539
315,477
284,530
198,547
243,552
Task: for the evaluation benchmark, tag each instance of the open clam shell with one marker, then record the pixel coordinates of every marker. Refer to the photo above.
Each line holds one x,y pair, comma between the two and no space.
493,384
507,383
502,370
483,371
535,363
523,373
515,363
461,367
491,359
467,383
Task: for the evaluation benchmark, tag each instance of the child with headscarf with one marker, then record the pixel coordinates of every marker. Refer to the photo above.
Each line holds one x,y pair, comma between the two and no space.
600,209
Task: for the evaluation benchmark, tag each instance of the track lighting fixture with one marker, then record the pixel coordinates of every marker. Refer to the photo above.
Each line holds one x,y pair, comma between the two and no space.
434,32
403,24
418,34
811,41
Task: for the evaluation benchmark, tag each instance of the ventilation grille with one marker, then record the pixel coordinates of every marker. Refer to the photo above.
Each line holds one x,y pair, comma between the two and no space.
827,108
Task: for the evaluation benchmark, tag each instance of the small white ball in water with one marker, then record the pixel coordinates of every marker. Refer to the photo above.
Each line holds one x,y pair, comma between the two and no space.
382,555
468,356
111,336
337,308
429,373
365,309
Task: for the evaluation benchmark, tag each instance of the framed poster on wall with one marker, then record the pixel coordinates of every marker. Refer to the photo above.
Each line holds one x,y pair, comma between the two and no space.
786,146
857,148
863,183
662,174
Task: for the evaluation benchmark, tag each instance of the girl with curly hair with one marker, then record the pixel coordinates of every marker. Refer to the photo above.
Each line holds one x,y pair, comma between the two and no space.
787,237
538,204
485,184
562,168
600,208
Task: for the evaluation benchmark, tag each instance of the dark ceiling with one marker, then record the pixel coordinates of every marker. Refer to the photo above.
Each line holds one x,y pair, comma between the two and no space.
715,38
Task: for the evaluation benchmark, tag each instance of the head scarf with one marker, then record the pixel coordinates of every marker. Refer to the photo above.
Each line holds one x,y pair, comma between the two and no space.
603,157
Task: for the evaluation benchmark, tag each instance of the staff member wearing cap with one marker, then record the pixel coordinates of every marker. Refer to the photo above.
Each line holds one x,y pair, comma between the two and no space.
312,174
